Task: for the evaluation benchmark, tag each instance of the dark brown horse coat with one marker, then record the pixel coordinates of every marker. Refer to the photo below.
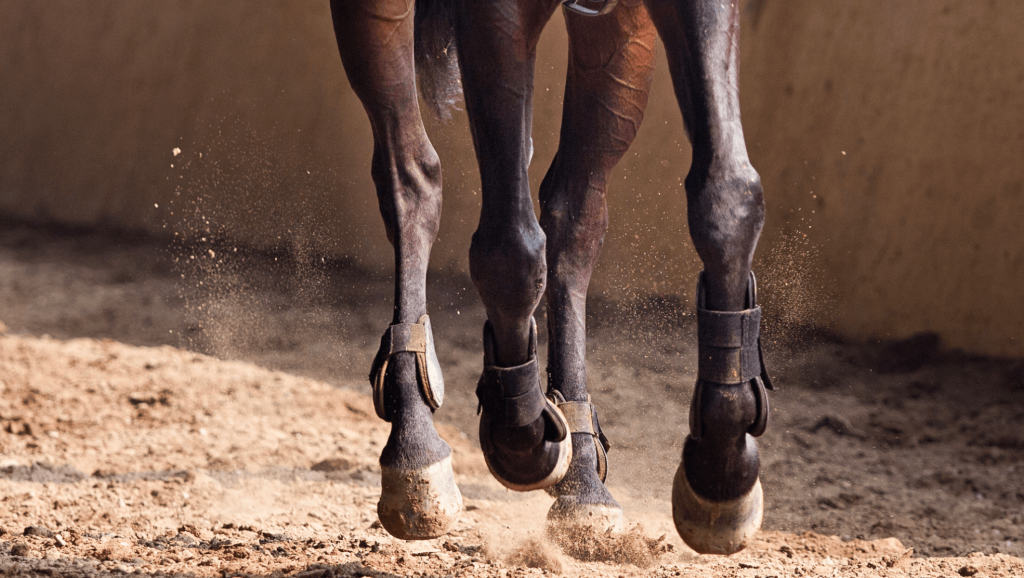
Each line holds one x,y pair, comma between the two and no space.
531,440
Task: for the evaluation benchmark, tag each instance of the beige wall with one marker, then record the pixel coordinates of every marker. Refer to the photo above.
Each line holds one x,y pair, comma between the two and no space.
915,228
919,223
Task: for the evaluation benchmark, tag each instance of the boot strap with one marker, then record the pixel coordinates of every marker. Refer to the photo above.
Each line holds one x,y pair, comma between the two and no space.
582,418
729,342
412,338
728,345
512,396
729,352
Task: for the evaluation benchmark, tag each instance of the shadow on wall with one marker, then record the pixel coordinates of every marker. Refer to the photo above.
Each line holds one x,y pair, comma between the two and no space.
913,229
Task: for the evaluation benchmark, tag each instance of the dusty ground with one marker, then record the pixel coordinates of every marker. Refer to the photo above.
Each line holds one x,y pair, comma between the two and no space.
203,411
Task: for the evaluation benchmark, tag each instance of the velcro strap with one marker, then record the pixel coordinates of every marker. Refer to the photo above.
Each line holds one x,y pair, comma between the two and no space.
404,337
729,329
727,345
512,396
582,418
579,415
408,338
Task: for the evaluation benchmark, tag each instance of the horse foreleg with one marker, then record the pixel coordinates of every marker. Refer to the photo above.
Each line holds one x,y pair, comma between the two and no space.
524,437
717,502
609,78
419,499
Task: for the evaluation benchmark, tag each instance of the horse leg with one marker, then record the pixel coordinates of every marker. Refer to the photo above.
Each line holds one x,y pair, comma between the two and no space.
419,499
523,435
607,85
716,499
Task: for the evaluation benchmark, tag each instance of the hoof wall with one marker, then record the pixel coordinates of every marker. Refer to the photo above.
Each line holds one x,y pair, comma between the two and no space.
419,504
567,513
715,527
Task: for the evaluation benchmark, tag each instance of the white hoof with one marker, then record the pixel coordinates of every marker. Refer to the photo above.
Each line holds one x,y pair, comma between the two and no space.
419,504
566,514
715,527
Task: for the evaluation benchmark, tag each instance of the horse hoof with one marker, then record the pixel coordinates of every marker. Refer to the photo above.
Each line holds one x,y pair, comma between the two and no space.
715,527
568,512
419,504
581,498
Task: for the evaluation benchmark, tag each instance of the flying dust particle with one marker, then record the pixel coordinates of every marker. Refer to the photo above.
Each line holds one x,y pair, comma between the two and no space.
632,546
534,553
790,279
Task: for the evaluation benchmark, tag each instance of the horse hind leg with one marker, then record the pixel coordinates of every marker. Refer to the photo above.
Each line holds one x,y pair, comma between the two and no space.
419,498
607,86
716,500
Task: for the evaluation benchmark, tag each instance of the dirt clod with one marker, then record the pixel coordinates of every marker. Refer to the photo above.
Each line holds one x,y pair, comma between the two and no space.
38,531
839,425
332,465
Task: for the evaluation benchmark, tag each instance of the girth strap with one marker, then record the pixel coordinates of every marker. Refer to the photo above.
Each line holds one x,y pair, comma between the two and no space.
412,338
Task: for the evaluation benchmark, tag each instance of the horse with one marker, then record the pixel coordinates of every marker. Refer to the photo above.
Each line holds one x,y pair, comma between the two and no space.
531,439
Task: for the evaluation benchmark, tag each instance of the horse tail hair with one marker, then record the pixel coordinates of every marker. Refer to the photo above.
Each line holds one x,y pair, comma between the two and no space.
437,65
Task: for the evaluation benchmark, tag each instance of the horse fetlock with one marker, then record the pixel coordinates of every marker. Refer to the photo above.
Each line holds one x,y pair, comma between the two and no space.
722,468
721,412
730,396
406,363
724,453
396,392
407,386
